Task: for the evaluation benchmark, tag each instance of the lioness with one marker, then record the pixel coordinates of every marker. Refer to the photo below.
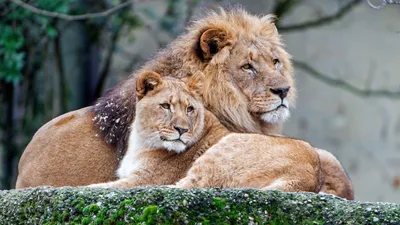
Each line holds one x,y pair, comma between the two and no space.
172,129
256,81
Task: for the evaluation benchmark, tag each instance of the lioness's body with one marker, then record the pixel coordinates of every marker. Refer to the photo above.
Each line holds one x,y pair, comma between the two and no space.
163,128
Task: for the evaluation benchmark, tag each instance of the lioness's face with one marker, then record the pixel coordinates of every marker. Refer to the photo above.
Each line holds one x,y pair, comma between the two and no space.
170,117
258,70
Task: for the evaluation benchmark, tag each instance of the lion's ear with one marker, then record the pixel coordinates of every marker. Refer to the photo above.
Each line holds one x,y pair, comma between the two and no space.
213,40
195,82
147,82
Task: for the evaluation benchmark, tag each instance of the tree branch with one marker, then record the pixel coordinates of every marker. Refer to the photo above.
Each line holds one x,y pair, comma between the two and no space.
107,62
62,83
282,7
73,17
321,21
345,85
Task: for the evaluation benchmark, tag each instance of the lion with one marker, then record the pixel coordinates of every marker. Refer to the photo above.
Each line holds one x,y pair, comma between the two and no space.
172,130
252,92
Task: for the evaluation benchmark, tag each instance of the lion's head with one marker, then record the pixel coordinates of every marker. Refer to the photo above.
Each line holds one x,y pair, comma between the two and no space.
248,75
167,113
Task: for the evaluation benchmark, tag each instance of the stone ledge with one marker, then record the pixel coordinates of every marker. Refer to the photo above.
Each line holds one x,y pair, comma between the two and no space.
155,205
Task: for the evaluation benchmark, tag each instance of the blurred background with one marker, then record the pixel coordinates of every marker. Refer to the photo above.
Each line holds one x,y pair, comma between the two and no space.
346,58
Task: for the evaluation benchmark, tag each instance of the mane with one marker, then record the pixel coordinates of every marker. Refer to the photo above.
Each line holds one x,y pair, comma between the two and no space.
115,111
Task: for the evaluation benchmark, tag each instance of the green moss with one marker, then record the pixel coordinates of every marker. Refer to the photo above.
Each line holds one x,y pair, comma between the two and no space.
126,202
86,220
177,206
148,214
219,202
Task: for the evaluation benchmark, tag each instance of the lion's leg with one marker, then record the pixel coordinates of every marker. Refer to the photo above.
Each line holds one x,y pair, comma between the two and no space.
129,182
295,185
187,183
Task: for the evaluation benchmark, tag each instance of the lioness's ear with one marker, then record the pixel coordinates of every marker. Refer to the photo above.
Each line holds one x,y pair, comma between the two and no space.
146,82
213,40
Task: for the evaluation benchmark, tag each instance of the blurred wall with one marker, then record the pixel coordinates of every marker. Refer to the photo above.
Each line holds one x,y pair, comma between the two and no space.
363,49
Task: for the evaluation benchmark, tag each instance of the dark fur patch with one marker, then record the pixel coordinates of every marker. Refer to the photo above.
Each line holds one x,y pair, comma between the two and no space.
115,113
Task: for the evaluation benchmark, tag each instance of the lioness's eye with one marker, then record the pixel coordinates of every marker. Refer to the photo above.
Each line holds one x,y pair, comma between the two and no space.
190,109
165,106
247,66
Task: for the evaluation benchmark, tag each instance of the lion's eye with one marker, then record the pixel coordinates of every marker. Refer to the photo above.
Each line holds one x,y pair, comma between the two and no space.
276,61
190,109
247,66
165,106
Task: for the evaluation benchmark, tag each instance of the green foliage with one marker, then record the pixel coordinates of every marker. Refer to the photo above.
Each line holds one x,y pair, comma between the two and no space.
22,28
11,56
18,26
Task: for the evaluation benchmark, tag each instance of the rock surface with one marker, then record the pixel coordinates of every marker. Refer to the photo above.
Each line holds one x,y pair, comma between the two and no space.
151,205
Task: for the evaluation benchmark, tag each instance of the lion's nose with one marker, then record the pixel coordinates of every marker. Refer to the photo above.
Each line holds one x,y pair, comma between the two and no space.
181,130
282,92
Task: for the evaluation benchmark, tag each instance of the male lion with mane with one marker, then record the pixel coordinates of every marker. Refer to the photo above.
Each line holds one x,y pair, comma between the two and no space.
252,91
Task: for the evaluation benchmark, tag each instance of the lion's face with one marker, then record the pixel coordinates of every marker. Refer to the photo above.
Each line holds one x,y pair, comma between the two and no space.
249,76
167,115
258,73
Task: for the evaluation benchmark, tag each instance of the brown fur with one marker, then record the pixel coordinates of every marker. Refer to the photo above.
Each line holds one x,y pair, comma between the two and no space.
240,38
336,180
235,161
41,163
257,161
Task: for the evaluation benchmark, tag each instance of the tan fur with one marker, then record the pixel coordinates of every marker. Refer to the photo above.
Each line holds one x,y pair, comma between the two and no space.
41,163
257,161
235,98
235,161
336,181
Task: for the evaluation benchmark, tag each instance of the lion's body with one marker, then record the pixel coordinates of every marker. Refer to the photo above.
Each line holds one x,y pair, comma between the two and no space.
66,152
257,161
221,158
336,180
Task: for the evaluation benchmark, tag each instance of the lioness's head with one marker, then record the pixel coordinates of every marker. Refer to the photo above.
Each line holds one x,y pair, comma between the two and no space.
249,76
167,113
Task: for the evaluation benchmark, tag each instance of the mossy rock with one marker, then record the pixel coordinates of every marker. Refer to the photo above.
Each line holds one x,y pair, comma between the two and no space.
155,205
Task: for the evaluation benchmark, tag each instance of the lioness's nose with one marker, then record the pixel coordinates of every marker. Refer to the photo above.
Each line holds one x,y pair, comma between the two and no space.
181,130
282,92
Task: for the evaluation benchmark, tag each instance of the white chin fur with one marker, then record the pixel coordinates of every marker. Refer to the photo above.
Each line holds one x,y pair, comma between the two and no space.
175,146
276,116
